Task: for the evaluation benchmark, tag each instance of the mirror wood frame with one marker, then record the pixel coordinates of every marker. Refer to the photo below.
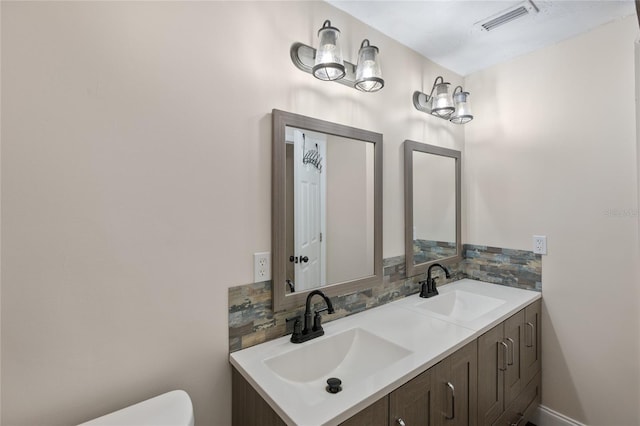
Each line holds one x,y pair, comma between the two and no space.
409,148
282,119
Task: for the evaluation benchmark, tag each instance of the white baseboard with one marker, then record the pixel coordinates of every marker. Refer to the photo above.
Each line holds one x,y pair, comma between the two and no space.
545,416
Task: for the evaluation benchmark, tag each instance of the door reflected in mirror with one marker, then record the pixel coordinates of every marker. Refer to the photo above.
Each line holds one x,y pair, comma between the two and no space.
330,199
432,206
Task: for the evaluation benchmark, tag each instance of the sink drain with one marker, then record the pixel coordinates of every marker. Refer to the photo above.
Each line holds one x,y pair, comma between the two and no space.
334,385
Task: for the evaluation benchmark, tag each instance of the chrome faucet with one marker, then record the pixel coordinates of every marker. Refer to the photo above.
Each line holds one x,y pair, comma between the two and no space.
310,331
428,288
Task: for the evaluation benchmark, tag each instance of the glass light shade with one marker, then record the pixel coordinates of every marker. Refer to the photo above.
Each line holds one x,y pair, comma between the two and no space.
462,114
329,65
368,74
441,102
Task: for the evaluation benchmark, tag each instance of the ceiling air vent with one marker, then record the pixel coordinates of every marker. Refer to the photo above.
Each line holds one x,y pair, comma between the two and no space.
507,15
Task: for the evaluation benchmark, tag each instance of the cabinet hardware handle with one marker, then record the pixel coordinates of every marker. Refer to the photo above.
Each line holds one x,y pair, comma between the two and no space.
517,422
504,356
511,352
400,422
531,334
453,401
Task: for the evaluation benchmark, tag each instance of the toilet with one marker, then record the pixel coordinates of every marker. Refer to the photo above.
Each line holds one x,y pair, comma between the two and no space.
169,409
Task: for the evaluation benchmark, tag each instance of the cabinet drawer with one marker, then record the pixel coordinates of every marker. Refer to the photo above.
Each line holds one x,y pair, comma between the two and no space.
523,407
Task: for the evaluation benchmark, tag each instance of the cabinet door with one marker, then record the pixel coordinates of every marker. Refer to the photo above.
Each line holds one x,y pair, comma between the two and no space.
374,415
411,403
248,407
513,337
531,341
524,405
455,388
491,367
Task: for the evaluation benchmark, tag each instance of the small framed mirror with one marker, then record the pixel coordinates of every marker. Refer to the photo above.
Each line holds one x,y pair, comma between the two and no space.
432,206
326,208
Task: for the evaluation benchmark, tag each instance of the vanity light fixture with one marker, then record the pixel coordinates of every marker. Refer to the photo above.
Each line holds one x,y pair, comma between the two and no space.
326,62
440,103
368,74
462,113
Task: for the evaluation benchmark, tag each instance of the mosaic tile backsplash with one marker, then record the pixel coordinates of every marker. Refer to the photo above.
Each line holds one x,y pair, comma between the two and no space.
514,268
428,250
251,320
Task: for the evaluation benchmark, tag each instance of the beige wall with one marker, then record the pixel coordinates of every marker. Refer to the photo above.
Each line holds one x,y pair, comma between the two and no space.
136,186
553,152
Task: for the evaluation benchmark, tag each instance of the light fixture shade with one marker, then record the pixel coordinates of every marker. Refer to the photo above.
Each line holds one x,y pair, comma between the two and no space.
328,64
368,74
462,114
441,101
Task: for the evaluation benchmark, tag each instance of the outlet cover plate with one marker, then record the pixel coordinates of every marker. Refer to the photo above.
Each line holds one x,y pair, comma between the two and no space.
261,266
540,244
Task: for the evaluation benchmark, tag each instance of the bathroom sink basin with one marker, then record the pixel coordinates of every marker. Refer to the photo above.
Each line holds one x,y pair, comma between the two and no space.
351,355
460,305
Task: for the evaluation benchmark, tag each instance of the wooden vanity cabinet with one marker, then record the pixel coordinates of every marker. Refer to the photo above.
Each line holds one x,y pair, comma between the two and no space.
443,395
531,350
508,359
513,375
248,408
374,415
411,403
491,366
523,406
493,380
455,388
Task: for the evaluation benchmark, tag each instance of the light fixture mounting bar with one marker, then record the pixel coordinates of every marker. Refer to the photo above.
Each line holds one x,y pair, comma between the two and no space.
303,57
422,102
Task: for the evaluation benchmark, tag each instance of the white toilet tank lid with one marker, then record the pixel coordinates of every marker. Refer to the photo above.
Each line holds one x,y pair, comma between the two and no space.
169,409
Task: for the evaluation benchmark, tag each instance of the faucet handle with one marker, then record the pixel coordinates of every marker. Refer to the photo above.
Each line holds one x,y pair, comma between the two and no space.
297,326
317,319
432,284
425,287
434,290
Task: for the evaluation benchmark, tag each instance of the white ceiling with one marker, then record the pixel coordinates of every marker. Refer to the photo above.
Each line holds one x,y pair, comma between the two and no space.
444,31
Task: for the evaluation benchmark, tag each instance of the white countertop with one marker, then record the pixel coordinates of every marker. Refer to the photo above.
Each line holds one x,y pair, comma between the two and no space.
428,337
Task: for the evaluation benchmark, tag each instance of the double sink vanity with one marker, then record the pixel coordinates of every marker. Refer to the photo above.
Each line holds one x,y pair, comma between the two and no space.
470,355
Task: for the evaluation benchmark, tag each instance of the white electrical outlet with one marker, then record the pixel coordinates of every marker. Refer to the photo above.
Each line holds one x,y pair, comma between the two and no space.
261,266
540,244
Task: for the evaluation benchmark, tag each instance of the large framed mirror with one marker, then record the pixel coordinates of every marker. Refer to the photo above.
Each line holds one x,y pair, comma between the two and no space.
432,206
326,208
